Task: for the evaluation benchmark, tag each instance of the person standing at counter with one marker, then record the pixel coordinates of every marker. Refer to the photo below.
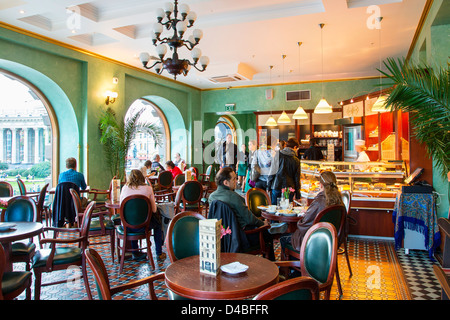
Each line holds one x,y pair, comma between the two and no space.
313,152
360,147
287,175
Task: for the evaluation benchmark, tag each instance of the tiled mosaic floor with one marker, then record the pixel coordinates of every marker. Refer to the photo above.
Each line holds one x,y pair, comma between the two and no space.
379,273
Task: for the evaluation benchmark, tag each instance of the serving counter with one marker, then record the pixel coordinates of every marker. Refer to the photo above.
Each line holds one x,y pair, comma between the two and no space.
373,187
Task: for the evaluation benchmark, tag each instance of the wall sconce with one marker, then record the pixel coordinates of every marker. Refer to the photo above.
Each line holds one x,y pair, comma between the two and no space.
110,97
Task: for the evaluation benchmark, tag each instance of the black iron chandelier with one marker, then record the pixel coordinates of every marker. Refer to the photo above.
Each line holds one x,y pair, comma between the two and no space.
174,65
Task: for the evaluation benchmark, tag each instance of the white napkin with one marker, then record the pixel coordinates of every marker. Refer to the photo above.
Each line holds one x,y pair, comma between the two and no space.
234,267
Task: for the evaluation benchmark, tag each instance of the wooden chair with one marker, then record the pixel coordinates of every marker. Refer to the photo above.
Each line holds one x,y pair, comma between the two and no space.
100,225
23,190
347,200
13,283
60,258
182,239
204,178
318,256
195,171
189,197
239,237
135,214
42,211
6,189
104,289
179,179
335,215
256,197
21,208
301,288
163,188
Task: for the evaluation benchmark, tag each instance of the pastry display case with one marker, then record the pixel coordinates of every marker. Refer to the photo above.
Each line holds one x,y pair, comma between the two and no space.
373,187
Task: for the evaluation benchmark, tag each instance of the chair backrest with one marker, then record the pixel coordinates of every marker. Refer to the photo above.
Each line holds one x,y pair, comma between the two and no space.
97,266
6,189
135,212
77,204
182,238
300,288
333,214
165,179
208,171
256,197
318,253
195,171
346,199
63,207
20,208
191,191
179,179
2,268
22,188
41,200
86,223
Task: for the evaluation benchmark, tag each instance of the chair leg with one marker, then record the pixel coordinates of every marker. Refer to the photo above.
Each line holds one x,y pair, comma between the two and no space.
338,280
37,284
149,253
112,236
85,278
122,256
347,258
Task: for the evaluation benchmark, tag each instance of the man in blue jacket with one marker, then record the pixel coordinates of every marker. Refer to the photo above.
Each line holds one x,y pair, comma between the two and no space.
72,175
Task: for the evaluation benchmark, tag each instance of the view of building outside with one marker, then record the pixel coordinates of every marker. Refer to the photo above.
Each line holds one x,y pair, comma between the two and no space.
25,136
143,146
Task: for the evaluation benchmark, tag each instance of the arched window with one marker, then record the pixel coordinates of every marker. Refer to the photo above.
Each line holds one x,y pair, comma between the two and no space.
144,146
25,133
223,127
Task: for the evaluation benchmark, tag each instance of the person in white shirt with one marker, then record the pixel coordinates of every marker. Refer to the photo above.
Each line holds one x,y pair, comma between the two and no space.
360,147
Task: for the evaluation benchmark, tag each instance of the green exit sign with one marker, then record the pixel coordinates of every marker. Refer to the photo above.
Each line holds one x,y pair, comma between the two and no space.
230,107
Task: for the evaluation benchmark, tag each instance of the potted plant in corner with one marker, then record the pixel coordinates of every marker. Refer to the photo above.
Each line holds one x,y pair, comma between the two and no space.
116,137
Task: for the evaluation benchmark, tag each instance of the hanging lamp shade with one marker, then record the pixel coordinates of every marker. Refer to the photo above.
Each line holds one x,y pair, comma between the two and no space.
300,114
284,118
380,104
323,107
271,122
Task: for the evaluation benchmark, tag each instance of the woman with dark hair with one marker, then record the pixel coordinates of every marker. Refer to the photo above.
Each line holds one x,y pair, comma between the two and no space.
328,195
136,185
170,166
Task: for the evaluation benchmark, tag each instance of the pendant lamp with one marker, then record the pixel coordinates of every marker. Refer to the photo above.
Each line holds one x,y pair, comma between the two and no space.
322,106
271,122
284,118
299,114
380,104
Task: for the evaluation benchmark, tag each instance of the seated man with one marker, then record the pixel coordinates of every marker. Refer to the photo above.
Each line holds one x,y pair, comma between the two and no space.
226,184
156,164
71,175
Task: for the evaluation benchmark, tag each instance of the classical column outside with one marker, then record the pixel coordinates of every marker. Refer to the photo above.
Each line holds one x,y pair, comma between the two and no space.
36,145
13,145
25,145
2,146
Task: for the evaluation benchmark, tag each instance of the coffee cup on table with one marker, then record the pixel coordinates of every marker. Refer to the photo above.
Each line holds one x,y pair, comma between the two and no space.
272,208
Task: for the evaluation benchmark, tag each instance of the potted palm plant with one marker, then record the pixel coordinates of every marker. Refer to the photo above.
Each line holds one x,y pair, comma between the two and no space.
116,137
423,91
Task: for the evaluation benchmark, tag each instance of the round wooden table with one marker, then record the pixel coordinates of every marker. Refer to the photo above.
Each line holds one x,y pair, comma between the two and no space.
184,278
290,220
21,231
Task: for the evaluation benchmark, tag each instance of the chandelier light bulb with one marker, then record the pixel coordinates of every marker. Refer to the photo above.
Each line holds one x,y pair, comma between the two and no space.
168,8
160,14
198,34
183,9
144,57
161,50
196,54
181,27
157,29
191,17
204,61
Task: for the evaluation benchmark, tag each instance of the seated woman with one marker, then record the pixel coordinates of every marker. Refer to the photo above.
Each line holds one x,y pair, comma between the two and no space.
170,166
136,185
328,195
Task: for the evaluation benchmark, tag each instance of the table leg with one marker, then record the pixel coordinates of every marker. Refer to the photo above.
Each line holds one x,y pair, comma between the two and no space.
8,252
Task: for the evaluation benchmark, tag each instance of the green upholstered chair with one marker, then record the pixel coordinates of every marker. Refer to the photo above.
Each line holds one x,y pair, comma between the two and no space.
105,291
301,288
204,178
189,197
318,255
256,197
6,189
58,258
42,210
100,225
182,240
12,283
135,214
21,208
179,179
347,200
163,188
24,192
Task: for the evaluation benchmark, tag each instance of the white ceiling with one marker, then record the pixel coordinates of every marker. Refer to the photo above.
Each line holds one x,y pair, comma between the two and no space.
255,33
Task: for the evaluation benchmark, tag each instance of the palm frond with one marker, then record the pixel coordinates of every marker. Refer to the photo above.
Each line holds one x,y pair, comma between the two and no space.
423,91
